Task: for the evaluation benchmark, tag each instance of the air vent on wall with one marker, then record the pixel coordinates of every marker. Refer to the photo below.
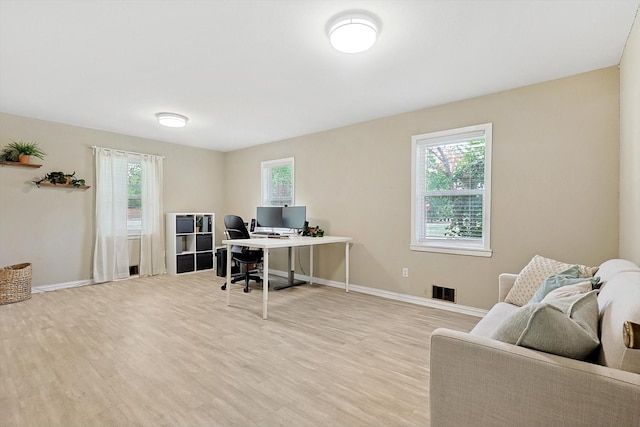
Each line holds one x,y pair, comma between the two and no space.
446,294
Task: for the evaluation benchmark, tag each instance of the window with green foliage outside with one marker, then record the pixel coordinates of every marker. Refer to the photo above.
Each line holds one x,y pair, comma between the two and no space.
451,191
134,191
278,182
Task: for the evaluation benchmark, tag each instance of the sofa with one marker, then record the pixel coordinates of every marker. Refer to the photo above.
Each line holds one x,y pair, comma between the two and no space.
477,380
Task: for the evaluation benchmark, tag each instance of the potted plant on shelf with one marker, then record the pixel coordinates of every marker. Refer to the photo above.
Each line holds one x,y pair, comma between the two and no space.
21,152
61,178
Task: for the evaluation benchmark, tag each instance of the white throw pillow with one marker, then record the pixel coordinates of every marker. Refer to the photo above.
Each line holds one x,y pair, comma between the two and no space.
568,291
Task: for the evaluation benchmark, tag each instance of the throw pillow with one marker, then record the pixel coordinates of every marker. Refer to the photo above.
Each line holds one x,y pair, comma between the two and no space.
571,276
534,273
565,326
569,290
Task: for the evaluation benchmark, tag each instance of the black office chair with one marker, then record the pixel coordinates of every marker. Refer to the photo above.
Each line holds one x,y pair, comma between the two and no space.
235,229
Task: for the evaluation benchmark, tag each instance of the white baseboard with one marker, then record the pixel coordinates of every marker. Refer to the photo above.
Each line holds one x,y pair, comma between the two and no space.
56,286
427,302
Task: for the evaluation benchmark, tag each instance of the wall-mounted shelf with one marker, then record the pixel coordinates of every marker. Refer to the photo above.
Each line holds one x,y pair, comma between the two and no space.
24,165
48,184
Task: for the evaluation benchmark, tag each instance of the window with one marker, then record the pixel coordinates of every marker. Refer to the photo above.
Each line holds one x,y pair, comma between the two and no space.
451,191
134,196
277,182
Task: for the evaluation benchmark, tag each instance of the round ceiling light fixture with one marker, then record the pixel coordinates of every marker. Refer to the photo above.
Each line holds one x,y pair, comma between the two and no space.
353,32
172,120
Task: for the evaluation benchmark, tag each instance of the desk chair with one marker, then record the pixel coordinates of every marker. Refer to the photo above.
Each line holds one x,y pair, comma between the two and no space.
235,229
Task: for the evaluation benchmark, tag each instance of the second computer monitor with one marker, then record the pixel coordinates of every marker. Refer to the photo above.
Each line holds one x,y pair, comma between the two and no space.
294,216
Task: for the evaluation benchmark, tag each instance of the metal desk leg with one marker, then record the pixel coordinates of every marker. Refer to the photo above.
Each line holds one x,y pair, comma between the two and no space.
228,274
265,282
311,265
346,267
291,266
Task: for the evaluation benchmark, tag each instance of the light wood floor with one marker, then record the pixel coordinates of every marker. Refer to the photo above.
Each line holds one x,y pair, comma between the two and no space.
167,351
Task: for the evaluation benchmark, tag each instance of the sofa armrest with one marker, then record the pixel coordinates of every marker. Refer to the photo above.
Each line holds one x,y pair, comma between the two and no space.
483,382
505,283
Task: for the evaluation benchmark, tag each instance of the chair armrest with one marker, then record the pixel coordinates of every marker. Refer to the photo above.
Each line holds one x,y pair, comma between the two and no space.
479,381
505,283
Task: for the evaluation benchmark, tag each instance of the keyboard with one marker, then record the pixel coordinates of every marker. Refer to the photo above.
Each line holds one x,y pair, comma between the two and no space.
265,233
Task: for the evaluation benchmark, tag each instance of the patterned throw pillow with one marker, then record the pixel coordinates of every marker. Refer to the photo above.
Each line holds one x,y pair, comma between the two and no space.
533,275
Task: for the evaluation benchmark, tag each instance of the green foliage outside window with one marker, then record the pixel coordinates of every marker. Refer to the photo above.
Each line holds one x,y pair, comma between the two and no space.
281,184
455,184
134,186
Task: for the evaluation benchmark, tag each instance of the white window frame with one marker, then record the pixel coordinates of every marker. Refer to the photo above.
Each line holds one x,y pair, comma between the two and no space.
265,174
457,246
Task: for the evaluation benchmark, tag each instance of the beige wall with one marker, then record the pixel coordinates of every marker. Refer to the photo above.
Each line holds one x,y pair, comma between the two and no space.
630,147
54,228
555,186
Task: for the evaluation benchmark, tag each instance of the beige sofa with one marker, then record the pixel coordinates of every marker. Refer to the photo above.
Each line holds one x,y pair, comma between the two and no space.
478,381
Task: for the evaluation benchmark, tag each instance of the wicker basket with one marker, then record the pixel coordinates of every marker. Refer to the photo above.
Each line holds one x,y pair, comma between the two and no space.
15,283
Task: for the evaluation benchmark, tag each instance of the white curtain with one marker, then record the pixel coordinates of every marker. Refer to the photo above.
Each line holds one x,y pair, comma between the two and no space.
111,253
152,230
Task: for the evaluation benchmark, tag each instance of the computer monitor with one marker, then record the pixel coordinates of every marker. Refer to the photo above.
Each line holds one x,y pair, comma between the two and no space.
269,216
294,216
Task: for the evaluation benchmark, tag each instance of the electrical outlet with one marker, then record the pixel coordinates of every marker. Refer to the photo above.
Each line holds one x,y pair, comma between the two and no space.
405,272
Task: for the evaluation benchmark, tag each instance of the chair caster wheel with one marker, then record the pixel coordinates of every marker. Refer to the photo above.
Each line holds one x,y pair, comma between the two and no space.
223,287
246,290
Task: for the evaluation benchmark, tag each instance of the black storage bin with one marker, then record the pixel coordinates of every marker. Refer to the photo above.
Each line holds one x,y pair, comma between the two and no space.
184,224
221,263
204,242
185,263
204,261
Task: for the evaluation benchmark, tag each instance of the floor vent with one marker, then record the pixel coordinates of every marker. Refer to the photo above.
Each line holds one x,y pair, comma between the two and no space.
446,294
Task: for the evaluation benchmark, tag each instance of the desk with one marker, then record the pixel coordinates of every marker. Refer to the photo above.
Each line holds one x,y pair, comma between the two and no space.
269,243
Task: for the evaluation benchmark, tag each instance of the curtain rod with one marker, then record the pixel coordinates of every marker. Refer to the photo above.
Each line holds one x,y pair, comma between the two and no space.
93,147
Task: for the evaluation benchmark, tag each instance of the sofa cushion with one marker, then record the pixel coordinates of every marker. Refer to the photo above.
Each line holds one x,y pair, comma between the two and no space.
533,274
489,323
564,326
619,301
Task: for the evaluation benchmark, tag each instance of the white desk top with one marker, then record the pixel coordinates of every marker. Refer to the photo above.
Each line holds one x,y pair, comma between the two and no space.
264,242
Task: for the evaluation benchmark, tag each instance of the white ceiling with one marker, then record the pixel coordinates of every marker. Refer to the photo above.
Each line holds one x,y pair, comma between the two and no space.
248,72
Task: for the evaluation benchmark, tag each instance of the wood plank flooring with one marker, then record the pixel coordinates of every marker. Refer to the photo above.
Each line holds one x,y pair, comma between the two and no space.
167,351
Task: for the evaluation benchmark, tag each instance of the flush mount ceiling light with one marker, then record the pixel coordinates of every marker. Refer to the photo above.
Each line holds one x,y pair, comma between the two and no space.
353,32
172,120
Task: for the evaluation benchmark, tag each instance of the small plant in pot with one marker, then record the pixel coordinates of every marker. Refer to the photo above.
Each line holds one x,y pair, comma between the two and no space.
21,152
313,231
62,178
